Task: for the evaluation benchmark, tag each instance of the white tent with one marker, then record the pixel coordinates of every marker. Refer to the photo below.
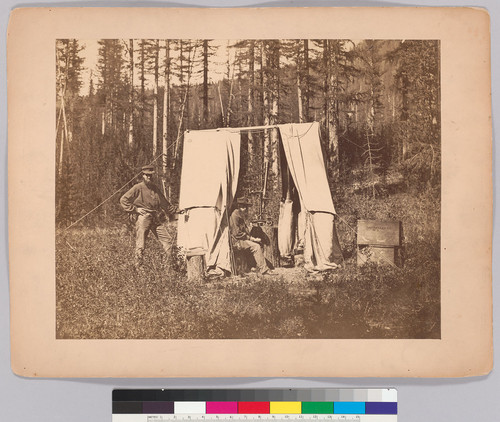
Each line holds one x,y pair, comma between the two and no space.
210,169
211,161
304,157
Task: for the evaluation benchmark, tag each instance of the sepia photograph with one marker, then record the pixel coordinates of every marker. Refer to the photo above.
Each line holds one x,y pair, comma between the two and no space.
247,188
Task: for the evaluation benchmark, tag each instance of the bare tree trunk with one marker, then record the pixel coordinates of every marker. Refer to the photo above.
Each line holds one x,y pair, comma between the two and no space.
273,115
230,99
166,107
330,112
63,113
404,115
265,100
369,147
205,82
131,95
63,136
142,97
306,81
299,83
185,105
143,71
326,91
251,85
221,104
156,49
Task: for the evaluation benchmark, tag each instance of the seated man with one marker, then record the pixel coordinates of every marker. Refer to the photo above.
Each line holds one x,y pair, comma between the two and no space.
240,235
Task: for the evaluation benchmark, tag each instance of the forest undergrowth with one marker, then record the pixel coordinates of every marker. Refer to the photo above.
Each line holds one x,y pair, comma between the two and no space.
99,294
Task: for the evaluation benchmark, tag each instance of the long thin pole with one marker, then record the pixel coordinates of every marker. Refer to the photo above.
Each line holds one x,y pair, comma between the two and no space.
230,241
238,129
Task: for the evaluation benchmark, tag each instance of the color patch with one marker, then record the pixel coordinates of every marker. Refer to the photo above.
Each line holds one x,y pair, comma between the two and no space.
261,407
189,407
381,408
310,407
223,407
349,408
158,407
290,407
123,407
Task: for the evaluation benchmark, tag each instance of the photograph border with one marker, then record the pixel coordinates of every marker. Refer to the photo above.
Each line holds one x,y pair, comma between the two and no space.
467,196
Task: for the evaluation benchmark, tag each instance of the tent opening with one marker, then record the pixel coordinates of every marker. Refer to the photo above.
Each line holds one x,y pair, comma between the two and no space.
305,221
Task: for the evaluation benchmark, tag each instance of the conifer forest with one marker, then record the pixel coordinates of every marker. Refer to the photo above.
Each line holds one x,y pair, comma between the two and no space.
125,103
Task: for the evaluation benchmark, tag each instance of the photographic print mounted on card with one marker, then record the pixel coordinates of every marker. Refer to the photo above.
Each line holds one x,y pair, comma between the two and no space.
266,192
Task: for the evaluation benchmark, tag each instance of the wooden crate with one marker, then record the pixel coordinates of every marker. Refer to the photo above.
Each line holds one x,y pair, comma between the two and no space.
379,241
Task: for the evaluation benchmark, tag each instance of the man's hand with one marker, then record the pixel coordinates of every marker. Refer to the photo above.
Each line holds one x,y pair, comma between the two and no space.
256,239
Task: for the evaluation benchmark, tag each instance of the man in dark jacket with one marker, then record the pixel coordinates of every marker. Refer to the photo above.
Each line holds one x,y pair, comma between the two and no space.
146,205
240,235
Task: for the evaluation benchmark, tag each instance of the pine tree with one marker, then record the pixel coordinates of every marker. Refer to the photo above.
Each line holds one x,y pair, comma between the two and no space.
69,65
418,77
166,106
130,51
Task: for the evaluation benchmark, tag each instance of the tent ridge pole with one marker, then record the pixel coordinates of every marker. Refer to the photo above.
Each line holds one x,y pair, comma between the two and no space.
241,129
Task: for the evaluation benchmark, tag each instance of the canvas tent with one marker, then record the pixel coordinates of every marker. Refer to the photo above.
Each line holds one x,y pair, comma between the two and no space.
209,179
210,169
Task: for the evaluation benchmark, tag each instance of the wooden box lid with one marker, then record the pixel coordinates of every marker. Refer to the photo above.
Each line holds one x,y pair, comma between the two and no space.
379,232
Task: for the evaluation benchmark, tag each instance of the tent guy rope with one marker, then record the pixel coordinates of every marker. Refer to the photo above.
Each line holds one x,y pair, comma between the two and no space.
120,189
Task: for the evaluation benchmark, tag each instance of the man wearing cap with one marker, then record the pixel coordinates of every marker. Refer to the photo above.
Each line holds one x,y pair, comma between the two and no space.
240,235
145,202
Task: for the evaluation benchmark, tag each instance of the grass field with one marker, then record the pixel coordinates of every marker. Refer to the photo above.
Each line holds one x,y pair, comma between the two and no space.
99,295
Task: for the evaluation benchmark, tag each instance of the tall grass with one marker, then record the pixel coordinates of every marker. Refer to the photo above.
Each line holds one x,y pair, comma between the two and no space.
101,296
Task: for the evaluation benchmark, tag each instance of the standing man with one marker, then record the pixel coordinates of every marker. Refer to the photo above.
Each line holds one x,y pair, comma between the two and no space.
147,207
240,235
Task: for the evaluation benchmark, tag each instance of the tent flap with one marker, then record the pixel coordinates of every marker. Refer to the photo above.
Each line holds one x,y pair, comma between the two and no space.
303,153
302,147
210,169
286,228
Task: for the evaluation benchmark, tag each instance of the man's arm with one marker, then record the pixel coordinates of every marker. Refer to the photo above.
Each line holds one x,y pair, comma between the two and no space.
165,205
127,200
237,227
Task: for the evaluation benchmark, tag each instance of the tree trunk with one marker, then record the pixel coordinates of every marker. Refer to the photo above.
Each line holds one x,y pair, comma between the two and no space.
131,95
306,81
404,115
156,50
273,115
185,104
230,99
265,102
205,83
326,79
142,99
61,148
166,107
330,83
251,85
299,83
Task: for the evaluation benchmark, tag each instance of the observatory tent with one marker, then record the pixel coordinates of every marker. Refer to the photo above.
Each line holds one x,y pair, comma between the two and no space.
211,161
304,157
210,169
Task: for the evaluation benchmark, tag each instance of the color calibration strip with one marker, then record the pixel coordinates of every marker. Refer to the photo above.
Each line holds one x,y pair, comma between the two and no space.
377,405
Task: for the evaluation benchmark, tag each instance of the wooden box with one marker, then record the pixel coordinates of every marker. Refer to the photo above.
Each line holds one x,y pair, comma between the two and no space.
379,241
